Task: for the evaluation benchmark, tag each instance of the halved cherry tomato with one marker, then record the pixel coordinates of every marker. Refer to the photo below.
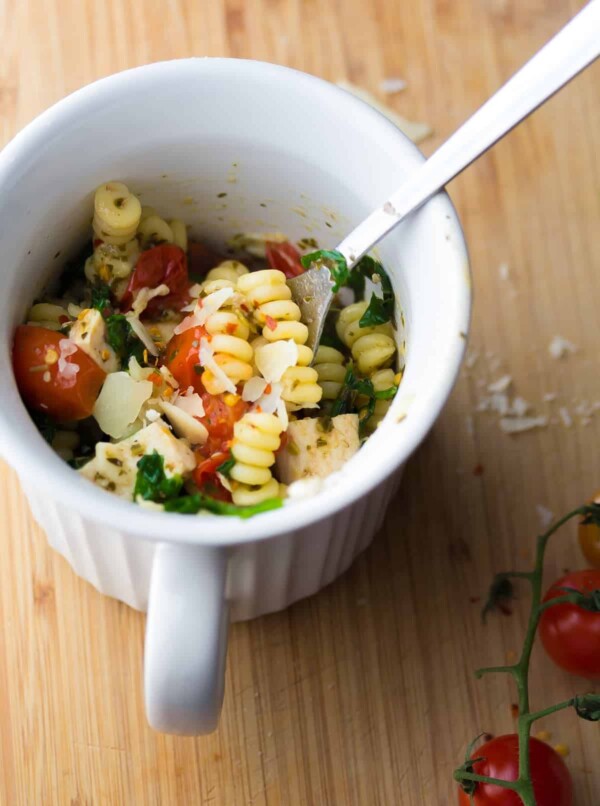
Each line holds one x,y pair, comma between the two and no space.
219,419
162,264
62,394
589,539
552,783
201,259
285,257
205,475
182,358
570,634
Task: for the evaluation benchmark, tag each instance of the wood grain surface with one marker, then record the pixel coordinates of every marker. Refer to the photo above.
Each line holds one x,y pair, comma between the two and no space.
363,694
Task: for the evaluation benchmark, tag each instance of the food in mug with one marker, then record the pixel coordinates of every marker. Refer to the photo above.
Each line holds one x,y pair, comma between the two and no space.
178,378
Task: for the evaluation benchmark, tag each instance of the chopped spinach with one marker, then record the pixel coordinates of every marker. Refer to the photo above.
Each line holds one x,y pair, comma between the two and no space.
151,482
226,467
380,309
357,396
123,340
192,504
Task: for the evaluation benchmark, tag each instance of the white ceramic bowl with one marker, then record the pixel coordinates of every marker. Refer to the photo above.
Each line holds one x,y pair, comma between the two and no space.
181,133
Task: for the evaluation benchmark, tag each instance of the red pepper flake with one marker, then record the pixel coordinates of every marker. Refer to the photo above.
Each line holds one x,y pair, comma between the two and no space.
155,378
268,389
258,409
271,323
478,470
63,319
98,242
230,328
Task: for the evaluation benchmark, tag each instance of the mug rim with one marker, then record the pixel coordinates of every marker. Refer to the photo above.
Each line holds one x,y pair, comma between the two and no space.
78,494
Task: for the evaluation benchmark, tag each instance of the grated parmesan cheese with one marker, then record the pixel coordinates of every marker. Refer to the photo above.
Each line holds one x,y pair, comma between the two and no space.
204,308
566,418
516,425
141,332
207,360
273,359
501,385
392,85
559,347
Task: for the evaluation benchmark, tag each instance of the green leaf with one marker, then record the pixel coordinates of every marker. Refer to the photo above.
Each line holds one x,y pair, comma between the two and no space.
226,467
192,504
123,340
334,261
151,482
380,309
386,394
350,399
501,592
101,299
588,706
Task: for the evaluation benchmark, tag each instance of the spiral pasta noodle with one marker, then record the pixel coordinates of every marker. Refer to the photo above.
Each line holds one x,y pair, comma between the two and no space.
117,214
270,299
372,347
381,380
153,229
256,437
225,275
329,365
228,333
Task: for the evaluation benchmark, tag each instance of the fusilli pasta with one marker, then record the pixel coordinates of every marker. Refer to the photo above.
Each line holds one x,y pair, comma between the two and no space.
372,348
329,364
269,298
153,229
256,437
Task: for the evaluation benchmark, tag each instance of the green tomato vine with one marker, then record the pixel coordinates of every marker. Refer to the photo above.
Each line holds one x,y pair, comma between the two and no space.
587,706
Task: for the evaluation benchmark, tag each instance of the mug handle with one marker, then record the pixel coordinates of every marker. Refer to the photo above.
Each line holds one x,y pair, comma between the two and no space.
186,639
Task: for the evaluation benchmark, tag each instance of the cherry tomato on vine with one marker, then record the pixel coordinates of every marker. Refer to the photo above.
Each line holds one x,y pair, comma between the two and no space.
552,782
285,257
165,264
570,634
589,539
64,391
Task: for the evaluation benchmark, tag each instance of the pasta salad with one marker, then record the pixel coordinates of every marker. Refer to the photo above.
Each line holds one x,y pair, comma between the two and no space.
179,378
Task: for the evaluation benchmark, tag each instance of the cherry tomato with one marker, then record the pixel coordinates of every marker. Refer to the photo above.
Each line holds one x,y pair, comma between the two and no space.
205,475
61,393
552,782
201,259
570,634
219,419
589,539
285,257
182,358
162,264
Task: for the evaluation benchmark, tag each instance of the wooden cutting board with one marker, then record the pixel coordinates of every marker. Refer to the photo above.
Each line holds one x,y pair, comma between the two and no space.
363,694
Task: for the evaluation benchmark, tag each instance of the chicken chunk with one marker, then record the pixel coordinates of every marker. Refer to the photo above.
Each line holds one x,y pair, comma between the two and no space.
88,332
114,466
313,451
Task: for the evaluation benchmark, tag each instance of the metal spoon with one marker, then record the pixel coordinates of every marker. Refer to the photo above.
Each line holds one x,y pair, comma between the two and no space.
574,47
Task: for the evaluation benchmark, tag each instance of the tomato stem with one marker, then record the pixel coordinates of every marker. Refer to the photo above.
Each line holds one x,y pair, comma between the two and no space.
520,671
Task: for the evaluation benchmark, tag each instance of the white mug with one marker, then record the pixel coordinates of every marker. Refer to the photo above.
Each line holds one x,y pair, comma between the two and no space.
294,154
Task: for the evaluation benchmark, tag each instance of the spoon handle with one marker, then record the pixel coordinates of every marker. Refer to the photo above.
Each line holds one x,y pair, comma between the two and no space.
560,60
